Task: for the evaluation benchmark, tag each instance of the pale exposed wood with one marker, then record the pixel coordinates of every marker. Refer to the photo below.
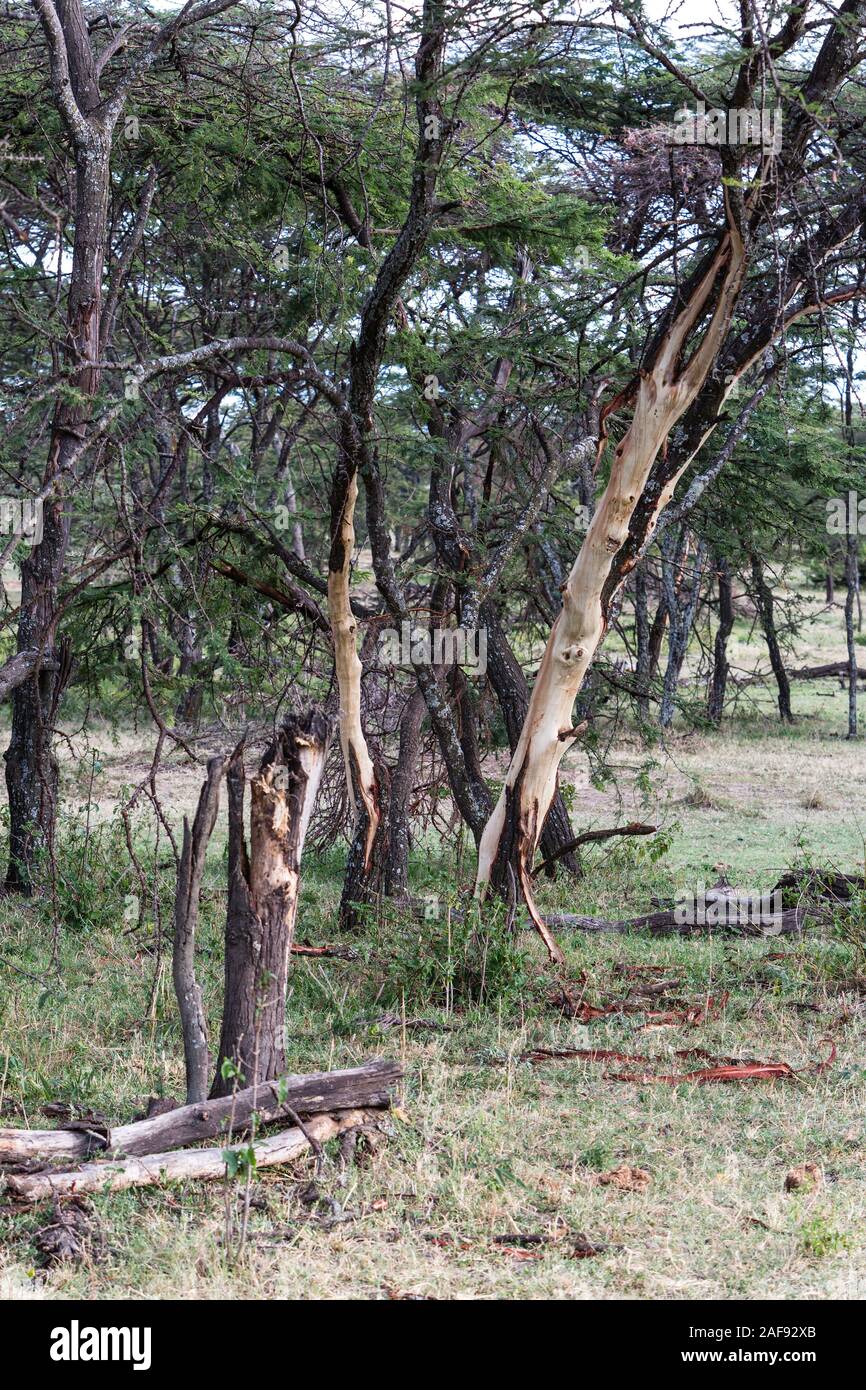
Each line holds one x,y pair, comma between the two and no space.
360,773
663,393
263,894
368,1086
206,1165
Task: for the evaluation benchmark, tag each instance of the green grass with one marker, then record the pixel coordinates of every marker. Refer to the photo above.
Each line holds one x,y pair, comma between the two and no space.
482,1143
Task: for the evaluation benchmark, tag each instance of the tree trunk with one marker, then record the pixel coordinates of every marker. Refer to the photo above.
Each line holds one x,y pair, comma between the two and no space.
509,684
682,603
852,583
186,903
661,394
719,679
263,896
357,439
852,548
643,671
31,768
402,782
764,599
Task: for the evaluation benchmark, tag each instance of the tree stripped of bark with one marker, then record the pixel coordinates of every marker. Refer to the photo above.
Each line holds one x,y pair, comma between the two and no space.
264,884
662,394
676,385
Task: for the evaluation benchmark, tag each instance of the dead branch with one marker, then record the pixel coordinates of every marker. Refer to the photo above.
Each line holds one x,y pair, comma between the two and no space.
368,1086
206,1165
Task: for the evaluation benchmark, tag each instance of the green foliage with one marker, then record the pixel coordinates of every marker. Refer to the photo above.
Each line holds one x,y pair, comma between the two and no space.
820,1240
453,959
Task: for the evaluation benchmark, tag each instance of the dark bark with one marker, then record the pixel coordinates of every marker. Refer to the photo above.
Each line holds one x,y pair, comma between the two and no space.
363,880
852,556
642,638
852,585
719,678
31,768
589,837
763,596
186,987
315,1094
16,670
402,781
682,590
788,922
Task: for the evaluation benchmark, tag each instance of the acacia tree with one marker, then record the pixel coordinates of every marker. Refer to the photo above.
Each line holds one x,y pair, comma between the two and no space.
78,66
676,385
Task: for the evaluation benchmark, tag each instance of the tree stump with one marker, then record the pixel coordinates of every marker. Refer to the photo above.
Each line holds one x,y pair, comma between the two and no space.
263,895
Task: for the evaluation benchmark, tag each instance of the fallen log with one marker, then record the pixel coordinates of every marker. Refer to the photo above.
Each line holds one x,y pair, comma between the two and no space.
791,922
368,1086
206,1165
821,883
808,673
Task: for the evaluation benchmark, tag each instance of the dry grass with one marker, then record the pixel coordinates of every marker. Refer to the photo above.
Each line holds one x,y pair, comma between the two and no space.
484,1144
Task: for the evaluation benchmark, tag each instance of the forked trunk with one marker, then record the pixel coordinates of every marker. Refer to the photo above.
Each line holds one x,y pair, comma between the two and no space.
765,603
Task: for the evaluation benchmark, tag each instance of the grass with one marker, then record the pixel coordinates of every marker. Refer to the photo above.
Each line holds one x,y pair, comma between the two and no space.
482,1144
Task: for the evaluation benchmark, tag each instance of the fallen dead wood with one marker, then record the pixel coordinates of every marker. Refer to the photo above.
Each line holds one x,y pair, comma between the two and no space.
368,1086
300,948
206,1165
808,673
721,1069
677,1011
791,922
821,883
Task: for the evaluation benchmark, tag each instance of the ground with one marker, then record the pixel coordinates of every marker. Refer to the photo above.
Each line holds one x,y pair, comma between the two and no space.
483,1143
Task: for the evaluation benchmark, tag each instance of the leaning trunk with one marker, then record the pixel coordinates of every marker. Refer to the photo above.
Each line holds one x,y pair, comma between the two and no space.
509,684
663,392
763,596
